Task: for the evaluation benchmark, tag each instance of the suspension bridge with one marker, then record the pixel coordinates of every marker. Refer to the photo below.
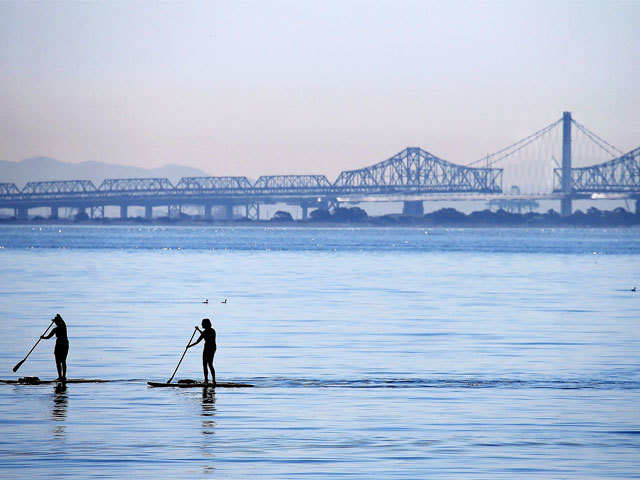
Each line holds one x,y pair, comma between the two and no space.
525,171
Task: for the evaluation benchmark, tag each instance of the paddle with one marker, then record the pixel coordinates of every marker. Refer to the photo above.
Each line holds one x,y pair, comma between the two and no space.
19,364
183,354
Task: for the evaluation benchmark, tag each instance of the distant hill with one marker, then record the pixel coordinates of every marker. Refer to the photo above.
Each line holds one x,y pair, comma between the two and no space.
43,168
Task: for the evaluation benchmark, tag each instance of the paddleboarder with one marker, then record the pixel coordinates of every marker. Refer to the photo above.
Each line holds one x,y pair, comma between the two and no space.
209,337
62,346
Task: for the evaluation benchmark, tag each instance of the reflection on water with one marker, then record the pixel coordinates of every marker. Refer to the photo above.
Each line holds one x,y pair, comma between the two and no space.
208,428
59,410
208,410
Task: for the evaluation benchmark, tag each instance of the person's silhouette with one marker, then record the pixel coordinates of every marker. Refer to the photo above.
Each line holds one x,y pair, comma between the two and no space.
209,337
62,346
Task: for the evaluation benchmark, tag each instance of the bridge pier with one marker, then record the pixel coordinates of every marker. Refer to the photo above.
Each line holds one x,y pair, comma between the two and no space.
328,204
174,211
208,213
413,208
97,211
306,204
22,213
637,206
252,211
123,212
148,212
228,212
80,213
54,213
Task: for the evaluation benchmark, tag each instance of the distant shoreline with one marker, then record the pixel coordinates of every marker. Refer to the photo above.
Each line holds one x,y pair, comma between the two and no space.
355,217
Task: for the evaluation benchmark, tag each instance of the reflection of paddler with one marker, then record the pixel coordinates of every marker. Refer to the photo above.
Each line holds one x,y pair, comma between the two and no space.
62,346
209,337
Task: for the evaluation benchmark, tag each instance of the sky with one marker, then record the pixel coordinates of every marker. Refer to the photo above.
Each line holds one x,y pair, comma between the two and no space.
279,87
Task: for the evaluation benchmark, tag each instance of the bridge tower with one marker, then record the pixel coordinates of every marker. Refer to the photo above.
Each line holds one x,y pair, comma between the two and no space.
565,203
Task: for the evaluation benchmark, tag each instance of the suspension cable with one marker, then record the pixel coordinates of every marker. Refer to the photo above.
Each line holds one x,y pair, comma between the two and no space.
520,144
597,140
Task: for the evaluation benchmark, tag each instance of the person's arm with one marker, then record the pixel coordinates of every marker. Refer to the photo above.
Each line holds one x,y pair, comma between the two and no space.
196,342
51,334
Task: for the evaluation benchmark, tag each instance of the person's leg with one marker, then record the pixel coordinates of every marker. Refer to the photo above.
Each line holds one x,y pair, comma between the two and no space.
59,367
204,367
213,371
62,359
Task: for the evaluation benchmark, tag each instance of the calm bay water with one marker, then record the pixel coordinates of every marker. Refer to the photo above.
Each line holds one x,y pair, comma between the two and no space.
375,353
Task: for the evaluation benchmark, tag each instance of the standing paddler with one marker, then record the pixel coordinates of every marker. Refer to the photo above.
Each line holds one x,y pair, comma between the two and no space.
62,346
209,336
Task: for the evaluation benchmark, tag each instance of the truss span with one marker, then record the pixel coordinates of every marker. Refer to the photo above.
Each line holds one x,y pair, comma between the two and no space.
125,185
417,171
8,189
620,175
60,187
292,182
213,184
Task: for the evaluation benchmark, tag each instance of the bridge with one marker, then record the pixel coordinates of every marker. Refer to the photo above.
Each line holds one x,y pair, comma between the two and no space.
411,176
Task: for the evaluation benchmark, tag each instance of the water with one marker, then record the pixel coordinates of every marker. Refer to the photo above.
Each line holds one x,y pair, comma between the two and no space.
375,353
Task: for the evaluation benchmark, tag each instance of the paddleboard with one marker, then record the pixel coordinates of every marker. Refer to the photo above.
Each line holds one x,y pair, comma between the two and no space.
44,382
199,384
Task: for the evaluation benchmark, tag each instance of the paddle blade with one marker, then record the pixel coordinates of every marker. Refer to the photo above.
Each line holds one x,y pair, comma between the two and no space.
18,365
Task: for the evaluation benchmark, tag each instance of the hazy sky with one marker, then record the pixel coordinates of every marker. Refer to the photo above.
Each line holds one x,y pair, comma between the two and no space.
303,87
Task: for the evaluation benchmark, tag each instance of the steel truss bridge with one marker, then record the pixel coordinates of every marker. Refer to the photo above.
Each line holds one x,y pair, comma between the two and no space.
411,172
620,175
411,176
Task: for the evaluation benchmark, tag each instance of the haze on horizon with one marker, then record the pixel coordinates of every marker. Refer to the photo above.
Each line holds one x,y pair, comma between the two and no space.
308,87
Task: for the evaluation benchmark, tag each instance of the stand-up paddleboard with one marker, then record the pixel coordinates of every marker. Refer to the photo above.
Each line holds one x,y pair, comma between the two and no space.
194,384
37,381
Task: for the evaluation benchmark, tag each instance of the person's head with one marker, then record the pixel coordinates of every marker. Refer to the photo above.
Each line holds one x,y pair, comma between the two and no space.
58,319
206,323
